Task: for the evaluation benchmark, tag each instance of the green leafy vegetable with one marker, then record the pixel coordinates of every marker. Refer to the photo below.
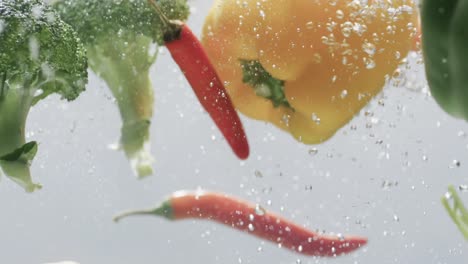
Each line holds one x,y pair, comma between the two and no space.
39,55
445,49
121,37
457,210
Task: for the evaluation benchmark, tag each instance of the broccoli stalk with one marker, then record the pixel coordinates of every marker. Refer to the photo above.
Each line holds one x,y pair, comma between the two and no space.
120,36
14,108
40,55
128,79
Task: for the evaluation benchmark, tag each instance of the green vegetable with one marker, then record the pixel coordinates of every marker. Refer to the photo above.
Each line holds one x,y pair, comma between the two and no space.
121,37
39,55
445,48
457,211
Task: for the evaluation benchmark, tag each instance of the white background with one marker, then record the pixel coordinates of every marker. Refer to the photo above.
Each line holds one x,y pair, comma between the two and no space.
381,176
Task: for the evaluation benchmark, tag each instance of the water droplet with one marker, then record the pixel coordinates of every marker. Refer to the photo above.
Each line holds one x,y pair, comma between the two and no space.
334,78
313,151
259,210
340,237
346,29
369,48
317,58
339,14
448,195
251,217
299,248
397,55
455,164
359,28
325,40
262,14
463,188
315,118
258,174
286,119
343,94
310,25
370,63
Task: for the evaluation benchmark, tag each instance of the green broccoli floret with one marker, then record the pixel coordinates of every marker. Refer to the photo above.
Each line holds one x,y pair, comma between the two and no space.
121,37
39,55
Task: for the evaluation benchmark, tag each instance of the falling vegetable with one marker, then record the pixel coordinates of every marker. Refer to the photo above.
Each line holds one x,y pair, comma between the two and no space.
252,219
445,48
307,66
39,55
189,54
457,211
121,39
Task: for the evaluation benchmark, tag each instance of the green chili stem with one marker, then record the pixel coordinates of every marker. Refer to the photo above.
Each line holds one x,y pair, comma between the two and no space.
165,210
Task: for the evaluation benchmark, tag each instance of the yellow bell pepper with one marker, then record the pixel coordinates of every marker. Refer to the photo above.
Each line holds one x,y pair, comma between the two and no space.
307,66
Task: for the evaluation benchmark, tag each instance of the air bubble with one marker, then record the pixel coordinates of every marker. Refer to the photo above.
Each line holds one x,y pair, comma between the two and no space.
313,151
258,174
455,164
310,25
346,29
370,63
260,210
343,94
339,14
369,48
251,217
315,118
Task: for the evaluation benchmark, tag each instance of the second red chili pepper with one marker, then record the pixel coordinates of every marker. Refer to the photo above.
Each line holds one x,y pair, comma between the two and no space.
254,220
189,54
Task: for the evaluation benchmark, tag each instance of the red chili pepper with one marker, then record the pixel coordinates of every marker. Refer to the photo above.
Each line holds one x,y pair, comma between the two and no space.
252,219
189,54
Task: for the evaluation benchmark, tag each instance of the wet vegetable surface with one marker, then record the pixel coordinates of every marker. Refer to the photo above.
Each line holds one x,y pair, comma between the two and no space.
381,176
254,220
331,57
445,41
